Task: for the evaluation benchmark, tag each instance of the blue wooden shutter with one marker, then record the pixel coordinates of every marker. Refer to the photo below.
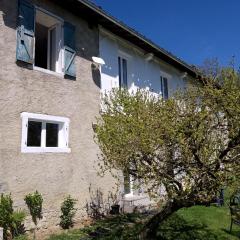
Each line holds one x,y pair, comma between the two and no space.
69,50
25,32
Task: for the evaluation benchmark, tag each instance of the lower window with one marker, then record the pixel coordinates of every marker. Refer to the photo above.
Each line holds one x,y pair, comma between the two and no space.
128,183
44,133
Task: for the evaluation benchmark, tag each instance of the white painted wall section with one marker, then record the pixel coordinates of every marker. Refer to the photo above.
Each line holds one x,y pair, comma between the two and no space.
141,73
109,71
1,233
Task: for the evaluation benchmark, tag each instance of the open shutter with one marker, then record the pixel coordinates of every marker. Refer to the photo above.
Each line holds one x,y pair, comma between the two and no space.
69,50
25,32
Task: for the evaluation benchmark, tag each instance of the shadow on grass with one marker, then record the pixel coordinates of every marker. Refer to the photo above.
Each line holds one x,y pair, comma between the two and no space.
178,228
128,227
119,227
234,233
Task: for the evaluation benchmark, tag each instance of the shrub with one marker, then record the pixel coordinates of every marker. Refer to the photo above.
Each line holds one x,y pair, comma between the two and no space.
10,220
96,208
18,217
34,202
68,212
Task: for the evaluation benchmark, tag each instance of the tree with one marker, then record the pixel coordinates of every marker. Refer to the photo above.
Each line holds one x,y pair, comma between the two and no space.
188,145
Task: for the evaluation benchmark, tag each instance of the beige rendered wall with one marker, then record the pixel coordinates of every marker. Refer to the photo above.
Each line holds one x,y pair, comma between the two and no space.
55,175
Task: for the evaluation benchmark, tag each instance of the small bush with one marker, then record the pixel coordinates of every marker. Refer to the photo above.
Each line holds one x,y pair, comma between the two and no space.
68,212
11,221
34,202
18,217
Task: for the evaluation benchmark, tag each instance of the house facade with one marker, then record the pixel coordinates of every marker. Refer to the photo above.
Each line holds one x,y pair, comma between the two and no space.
50,91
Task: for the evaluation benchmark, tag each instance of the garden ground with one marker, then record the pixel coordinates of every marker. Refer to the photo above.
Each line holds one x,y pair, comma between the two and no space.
200,223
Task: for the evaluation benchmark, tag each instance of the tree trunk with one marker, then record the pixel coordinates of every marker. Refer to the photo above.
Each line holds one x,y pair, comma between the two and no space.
150,229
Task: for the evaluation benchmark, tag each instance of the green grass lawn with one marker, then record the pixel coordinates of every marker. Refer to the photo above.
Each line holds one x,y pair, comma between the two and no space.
196,223
199,223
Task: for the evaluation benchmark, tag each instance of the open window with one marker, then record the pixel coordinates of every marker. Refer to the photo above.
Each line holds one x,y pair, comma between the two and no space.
48,42
44,133
45,41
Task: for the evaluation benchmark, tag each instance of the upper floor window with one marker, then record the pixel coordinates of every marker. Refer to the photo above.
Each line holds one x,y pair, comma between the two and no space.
122,72
48,42
164,87
44,133
45,40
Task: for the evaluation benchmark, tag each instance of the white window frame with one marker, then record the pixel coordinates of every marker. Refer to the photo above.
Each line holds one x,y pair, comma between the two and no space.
59,68
131,180
167,76
63,134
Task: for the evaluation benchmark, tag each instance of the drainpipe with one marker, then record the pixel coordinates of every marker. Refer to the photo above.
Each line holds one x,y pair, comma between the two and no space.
1,233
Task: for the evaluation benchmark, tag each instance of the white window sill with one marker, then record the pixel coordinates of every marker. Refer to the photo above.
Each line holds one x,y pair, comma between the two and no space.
61,75
133,197
128,195
45,150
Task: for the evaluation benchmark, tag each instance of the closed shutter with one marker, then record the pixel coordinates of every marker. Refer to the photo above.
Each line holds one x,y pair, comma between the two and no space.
69,50
25,32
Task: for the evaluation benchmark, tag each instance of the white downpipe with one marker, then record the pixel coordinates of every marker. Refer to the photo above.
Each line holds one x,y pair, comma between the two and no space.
1,233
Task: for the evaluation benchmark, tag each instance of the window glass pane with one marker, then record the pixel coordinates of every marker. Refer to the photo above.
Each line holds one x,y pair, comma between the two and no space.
34,134
165,84
119,72
124,66
122,72
51,135
161,83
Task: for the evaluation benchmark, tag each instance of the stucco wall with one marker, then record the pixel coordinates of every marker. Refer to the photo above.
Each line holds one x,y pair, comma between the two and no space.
55,175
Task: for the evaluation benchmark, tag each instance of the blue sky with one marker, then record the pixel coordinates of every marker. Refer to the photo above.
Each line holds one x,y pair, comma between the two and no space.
193,30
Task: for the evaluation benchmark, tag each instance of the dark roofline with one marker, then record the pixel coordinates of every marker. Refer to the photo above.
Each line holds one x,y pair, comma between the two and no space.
95,15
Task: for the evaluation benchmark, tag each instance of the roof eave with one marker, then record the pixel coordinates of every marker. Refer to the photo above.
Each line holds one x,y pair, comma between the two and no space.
96,15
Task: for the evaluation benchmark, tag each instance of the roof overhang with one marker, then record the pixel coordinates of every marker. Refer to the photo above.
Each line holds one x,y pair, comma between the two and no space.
96,16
